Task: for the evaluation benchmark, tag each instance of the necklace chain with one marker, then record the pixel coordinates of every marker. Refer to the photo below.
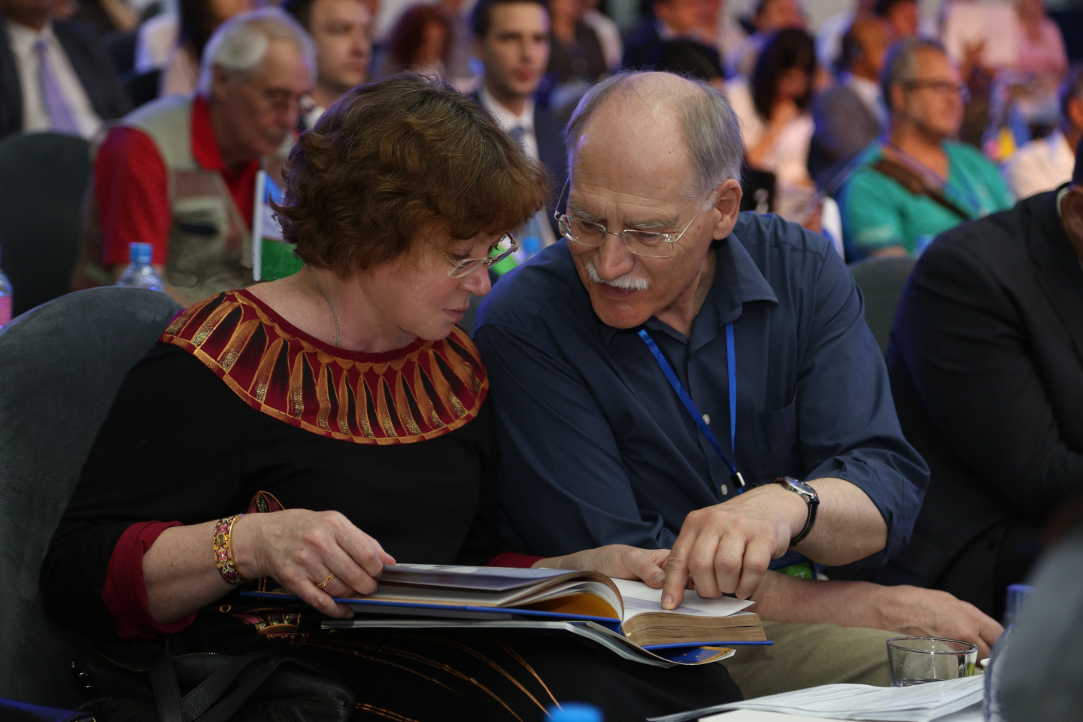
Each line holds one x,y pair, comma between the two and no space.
338,336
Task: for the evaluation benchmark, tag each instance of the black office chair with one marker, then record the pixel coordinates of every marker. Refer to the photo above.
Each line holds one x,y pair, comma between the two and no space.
43,178
882,281
63,363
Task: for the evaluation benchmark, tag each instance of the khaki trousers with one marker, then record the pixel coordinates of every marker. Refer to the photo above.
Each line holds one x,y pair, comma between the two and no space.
807,655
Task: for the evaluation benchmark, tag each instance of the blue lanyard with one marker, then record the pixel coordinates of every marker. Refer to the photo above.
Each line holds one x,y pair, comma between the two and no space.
731,367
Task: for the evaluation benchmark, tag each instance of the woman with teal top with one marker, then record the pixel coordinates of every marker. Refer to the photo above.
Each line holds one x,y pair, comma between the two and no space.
916,183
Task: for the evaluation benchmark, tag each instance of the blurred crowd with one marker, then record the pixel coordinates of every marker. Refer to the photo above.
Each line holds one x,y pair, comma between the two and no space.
879,129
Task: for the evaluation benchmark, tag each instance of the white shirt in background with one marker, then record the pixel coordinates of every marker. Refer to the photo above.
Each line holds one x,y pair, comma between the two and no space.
1040,165
608,36
155,41
35,116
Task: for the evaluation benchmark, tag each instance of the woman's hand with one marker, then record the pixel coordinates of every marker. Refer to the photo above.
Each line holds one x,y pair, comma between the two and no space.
301,548
783,112
615,560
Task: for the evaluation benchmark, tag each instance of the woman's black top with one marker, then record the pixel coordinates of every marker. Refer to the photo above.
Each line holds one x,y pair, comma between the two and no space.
181,445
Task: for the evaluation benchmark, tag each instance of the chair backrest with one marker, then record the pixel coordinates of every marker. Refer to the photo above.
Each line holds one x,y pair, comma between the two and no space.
43,177
62,363
882,281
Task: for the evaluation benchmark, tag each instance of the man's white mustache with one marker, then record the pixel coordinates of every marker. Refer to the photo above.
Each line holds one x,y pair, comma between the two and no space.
627,282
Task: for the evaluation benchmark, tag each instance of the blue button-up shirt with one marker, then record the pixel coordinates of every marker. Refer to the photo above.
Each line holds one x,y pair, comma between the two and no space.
598,449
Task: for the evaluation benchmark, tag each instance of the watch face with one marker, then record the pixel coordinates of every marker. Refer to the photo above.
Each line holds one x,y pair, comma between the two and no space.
802,486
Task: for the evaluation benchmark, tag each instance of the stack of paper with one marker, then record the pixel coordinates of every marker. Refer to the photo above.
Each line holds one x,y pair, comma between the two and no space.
920,703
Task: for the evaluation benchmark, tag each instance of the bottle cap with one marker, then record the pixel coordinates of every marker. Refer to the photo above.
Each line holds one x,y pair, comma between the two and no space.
575,712
139,253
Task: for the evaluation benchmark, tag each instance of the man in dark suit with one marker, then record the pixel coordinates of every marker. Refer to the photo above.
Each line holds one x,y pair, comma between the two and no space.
986,365
511,38
670,20
848,115
53,76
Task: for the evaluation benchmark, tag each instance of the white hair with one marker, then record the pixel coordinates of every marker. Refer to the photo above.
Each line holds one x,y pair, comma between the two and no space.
627,282
240,44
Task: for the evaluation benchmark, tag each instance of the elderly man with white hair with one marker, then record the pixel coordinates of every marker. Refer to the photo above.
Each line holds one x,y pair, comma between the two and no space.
180,173
677,375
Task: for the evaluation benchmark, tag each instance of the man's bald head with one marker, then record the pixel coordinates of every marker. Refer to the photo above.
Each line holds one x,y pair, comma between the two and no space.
864,46
649,118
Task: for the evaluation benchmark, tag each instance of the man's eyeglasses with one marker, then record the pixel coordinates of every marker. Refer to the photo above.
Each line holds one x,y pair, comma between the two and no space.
943,87
649,244
465,266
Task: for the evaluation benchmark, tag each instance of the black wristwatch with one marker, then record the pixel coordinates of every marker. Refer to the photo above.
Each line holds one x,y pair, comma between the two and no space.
811,498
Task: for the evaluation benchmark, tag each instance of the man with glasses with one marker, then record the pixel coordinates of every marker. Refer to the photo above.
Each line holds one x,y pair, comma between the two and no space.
918,182
180,173
663,375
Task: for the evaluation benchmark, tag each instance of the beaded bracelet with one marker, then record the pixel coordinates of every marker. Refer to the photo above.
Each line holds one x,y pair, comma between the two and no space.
223,550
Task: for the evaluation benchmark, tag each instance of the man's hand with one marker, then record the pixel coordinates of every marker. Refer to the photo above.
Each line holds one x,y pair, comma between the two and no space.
726,548
615,560
932,613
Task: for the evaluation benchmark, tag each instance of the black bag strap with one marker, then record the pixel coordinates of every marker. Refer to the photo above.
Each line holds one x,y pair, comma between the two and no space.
919,186
203,704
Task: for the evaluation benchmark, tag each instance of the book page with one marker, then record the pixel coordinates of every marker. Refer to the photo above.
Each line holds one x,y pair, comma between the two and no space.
639,598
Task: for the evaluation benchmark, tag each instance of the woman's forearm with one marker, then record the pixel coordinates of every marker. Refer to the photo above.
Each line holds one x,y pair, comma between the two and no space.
180,573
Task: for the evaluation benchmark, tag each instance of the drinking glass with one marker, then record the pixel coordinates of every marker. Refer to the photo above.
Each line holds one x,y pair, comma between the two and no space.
917,660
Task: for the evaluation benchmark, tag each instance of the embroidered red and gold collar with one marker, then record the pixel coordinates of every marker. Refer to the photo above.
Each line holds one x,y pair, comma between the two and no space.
423,391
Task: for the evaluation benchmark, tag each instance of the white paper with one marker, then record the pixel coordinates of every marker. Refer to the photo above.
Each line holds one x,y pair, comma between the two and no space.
753,715
920,703
639,598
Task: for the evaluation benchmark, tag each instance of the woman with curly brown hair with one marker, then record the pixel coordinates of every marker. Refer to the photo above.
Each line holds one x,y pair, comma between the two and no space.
345,404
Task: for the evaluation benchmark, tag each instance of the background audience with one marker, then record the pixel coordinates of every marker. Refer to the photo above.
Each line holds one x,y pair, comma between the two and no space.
772,107
917,182
340,30
850,114
987,379
1045,163
180,173
769,17
53,75
512,39
903,16
197,21
575,53
671,19
419,43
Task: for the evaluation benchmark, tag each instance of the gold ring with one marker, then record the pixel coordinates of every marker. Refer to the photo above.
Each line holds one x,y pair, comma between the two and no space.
326,581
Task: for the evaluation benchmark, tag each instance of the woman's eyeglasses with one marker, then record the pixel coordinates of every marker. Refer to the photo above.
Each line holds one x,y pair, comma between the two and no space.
465,266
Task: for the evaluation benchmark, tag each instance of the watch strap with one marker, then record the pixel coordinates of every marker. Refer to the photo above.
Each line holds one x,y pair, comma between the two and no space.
813,505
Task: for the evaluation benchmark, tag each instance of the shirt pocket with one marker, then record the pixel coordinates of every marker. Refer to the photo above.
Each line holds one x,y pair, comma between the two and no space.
200,218
777,431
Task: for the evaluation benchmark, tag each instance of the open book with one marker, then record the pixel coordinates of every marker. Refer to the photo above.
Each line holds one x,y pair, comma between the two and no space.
631,609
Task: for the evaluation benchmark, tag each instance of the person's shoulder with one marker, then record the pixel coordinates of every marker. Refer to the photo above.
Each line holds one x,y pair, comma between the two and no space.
865,176
986,241
547,283
766,235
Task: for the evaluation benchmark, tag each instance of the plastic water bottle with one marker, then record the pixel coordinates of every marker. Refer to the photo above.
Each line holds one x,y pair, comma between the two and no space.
992,705
139,273
575,712
5,300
